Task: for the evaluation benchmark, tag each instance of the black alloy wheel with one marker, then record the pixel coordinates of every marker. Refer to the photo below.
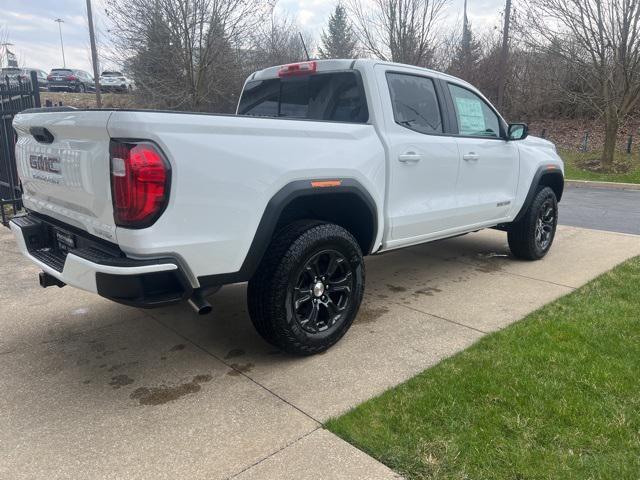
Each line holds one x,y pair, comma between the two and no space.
545,224
321,294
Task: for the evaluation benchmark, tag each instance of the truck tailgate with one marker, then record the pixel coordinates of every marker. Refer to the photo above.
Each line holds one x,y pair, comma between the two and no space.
67,178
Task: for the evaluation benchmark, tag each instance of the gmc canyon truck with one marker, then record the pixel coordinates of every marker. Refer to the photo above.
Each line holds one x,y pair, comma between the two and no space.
325,162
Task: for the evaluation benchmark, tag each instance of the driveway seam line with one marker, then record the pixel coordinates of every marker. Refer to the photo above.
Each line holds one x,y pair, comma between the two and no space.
200,347
508,273
471,264
442,318
90,330
272,454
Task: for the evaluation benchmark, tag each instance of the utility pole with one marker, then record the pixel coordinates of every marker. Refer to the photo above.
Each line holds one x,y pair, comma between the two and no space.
504,56
465,22
94,55
59,21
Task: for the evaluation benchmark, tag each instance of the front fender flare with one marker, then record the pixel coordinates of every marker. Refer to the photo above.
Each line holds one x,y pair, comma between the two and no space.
543,175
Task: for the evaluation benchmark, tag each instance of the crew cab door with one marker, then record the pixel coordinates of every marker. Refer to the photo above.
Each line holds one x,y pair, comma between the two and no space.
423,161
489,164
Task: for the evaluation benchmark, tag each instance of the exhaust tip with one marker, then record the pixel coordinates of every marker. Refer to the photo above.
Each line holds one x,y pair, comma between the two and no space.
199,304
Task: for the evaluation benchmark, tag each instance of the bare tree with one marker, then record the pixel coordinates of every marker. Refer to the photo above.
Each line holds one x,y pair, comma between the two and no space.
276,42
402,31
600,42
185,53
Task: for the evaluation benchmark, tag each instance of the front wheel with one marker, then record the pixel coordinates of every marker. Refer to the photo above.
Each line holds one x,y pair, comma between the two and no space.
308,288
531,237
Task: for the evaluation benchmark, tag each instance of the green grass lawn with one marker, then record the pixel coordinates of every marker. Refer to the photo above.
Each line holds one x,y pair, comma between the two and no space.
574,160
554,396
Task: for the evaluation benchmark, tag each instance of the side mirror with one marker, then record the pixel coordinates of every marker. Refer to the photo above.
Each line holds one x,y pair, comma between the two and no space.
517,131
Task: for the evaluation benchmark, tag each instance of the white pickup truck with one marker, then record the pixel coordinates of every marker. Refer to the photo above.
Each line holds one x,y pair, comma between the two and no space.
325,162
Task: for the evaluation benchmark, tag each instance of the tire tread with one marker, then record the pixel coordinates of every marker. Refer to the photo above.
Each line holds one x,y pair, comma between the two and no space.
521,234
264,294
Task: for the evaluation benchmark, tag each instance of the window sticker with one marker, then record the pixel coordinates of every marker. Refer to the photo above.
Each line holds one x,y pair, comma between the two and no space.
470,116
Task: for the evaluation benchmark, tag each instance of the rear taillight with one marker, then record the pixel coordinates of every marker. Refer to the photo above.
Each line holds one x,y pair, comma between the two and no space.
49,77
140,180
72,78
298,69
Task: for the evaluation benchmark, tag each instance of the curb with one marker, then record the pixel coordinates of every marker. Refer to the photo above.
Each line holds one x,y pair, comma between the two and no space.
609,185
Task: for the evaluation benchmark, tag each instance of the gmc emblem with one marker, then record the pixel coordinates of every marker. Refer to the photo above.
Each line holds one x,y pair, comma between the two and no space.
44,163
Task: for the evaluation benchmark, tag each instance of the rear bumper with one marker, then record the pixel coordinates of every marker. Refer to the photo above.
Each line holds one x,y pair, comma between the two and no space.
113,88
63,86
98,267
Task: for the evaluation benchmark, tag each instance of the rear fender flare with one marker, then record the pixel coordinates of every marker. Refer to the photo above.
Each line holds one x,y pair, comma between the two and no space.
271,216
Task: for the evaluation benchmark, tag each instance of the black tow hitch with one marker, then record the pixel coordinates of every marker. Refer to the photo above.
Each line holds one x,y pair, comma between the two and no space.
47,280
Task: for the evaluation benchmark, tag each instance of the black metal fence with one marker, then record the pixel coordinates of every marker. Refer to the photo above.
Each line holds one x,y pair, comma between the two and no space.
15,96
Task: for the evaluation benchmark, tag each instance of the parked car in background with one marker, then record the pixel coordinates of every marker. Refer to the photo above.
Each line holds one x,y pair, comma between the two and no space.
113,81
70,80
16,74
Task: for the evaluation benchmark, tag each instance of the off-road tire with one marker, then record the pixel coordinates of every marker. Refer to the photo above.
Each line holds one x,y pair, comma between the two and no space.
522,234
271,291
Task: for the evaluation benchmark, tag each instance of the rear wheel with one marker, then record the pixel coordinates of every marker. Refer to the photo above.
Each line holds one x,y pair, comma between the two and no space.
82,88
308,288
531,237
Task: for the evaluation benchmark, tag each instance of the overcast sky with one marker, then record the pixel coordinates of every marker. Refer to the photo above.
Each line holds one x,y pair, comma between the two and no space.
31,27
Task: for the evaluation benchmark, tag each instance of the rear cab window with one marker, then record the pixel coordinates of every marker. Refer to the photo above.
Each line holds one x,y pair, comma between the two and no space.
330,96
415,103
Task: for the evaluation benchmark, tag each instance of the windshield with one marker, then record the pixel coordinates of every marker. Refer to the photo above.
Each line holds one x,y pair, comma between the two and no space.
63,71
111,74
10,71
336,96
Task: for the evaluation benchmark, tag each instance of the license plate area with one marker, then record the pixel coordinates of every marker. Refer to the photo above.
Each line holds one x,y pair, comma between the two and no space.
64,241
51,242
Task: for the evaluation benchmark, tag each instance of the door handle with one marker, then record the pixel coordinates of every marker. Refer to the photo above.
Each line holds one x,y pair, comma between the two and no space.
410,157
471,157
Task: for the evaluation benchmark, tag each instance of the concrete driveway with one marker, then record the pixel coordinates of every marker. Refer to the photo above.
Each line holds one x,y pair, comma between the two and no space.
91,389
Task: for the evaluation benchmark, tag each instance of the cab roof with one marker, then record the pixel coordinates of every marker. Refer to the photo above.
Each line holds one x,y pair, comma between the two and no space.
351,63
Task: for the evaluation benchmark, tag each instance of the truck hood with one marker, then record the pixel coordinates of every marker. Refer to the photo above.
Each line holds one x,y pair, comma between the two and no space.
538,142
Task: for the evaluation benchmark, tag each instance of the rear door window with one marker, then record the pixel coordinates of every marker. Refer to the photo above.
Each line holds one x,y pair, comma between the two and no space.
414,101
334,96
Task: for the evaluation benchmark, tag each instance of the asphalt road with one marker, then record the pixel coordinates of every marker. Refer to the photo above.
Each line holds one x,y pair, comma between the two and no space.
601,209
